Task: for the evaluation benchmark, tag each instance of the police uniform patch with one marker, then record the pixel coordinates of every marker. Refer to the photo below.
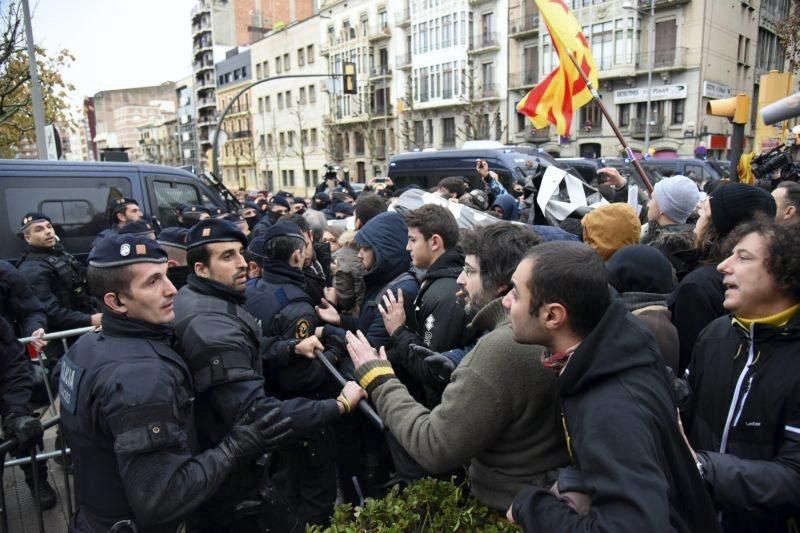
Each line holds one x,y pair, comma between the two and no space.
69,381
302,329
125,250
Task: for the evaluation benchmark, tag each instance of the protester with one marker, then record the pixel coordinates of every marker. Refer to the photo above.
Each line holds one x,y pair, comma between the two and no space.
609,227
453,187
368,206
697,300
631,469
787,200
506,207
672,202
745,381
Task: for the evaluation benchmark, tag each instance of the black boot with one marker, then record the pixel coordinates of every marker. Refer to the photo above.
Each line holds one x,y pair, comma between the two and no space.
47,495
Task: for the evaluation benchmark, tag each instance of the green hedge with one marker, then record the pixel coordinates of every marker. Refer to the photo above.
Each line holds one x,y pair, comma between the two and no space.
424,506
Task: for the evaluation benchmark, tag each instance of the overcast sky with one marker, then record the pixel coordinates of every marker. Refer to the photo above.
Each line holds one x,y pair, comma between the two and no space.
117,43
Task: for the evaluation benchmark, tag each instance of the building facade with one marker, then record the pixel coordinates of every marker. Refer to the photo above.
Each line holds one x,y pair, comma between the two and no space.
159,143
237,162
288,135
188,151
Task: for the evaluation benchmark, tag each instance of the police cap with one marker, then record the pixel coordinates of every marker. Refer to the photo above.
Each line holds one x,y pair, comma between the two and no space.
120,250
32,218
284,228
214,230
139,228
190,209
173,236
120,204
234,217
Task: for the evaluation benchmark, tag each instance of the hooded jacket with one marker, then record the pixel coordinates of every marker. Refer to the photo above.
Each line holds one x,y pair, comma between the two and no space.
508,204
623,436
746,422
387,235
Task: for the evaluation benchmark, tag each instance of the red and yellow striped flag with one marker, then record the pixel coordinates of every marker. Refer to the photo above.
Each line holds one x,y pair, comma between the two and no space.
556,97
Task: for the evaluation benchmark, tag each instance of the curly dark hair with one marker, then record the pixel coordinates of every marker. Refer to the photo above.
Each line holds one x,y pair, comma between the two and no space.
783,261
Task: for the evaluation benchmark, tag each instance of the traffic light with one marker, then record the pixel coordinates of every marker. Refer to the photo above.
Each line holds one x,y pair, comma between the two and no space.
736,109
350,86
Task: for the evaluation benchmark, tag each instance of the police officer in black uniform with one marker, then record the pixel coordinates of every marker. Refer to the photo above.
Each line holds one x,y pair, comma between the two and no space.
173,241
123,211
57,279
306,471
220,342
127,410
189,215
140,228
20,306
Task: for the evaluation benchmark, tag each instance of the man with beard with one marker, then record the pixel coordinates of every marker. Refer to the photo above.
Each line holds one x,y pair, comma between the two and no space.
220,343
123,211
499,411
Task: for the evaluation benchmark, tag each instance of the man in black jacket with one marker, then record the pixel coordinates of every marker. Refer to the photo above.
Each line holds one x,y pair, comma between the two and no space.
127,406
439,321
632,470
57,278
20,306
220,343
123,211
745,380
305,471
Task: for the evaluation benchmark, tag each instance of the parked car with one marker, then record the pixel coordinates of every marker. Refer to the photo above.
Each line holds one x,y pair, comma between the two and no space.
77,197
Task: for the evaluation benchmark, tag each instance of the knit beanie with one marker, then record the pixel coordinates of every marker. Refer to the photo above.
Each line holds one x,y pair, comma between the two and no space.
734,203
677,197
610,227
640,268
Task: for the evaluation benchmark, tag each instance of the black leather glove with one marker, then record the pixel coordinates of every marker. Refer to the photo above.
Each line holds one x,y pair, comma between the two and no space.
26,429
440,365
256,434
336,344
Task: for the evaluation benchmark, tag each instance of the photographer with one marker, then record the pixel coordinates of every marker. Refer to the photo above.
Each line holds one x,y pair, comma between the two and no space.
332,181
491,182
778,165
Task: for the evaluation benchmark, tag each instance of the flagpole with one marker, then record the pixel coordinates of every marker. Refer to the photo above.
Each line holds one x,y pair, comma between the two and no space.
617,132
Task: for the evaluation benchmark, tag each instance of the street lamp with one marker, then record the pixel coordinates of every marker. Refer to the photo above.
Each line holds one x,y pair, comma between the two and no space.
651,45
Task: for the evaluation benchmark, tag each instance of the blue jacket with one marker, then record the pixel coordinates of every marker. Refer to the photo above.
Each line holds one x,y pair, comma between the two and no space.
509,205
387,235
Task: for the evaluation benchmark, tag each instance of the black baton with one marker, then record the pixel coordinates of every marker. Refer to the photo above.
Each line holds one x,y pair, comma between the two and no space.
363,406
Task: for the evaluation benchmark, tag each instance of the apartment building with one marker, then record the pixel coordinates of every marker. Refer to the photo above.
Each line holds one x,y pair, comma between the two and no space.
159,143
188,153
237,160
700,51
287,114
219,25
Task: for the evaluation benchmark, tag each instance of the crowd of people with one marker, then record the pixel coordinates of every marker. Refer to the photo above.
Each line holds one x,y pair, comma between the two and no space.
619,372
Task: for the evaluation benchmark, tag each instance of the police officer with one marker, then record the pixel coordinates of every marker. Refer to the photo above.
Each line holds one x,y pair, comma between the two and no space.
20,306
140,228
57,279
220,342
123,211
189,215
173,241
288,320
126,404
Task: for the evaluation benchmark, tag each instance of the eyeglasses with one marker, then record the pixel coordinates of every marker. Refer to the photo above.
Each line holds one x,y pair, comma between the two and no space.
469,271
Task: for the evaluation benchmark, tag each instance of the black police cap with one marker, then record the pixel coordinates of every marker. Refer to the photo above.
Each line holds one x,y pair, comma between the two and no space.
173,236
122,203
139,228
120,250
284,228
214,230
198,209
32,218
236,218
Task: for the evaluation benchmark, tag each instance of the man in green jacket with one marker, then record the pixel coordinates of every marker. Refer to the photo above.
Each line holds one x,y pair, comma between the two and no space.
499,413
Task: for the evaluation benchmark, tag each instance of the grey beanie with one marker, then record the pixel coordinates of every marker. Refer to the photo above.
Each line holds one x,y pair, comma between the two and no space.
677,197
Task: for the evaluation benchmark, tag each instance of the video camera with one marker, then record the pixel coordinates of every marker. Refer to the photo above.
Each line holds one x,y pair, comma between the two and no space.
779,158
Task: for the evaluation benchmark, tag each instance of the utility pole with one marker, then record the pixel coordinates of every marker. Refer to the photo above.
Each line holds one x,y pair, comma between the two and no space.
652,46
36,89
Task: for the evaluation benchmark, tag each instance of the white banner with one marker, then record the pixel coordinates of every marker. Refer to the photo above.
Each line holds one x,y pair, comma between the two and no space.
658,92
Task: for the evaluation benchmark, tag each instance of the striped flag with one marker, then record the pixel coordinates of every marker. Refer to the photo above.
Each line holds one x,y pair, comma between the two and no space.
555,98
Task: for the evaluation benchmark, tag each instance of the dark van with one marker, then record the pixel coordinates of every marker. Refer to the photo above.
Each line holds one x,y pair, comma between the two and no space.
426,169
700,170
77,197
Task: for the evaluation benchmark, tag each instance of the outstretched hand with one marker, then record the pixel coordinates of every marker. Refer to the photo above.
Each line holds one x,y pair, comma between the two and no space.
328,313
361,352
393,311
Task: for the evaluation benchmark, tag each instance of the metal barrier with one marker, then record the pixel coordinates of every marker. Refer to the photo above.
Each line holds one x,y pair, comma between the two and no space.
34,458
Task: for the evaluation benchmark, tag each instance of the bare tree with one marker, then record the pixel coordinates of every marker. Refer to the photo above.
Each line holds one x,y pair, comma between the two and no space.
481,109
407,124
788,32
269,146
301,149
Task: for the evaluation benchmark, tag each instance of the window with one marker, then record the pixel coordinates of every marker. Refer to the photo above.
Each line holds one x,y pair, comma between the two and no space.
449,131
419,133
260,105
623,41
312,94
268,103
289,102
430,131
168,195
301,57
310,54
678,111
358,140
270,142
591,118
666,37
290,141
447,81
285,178
602,44
280,101
487,73
383,19
313,137
624,115
258,71
286,62
266,69
302,96
244,71
282,140
278,65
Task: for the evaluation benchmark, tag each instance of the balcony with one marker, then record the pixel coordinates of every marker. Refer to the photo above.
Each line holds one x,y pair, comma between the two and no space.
488,42
379,152
523,27
638,127
200,8
478,2
661,4
205,122
325,50
402,18
594,130
204,84
522,80
379,33
488,91
380,111
242,134
381,71
662,59
532,135
206,102
203,46
403,61
200,66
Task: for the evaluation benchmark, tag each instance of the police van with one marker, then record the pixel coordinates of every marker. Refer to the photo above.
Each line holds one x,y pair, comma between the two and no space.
77,197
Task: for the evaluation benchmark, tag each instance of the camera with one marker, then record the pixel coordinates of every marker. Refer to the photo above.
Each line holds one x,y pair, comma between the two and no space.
779,158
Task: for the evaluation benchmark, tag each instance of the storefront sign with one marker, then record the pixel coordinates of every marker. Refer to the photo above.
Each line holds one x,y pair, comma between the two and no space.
658,92
715,90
